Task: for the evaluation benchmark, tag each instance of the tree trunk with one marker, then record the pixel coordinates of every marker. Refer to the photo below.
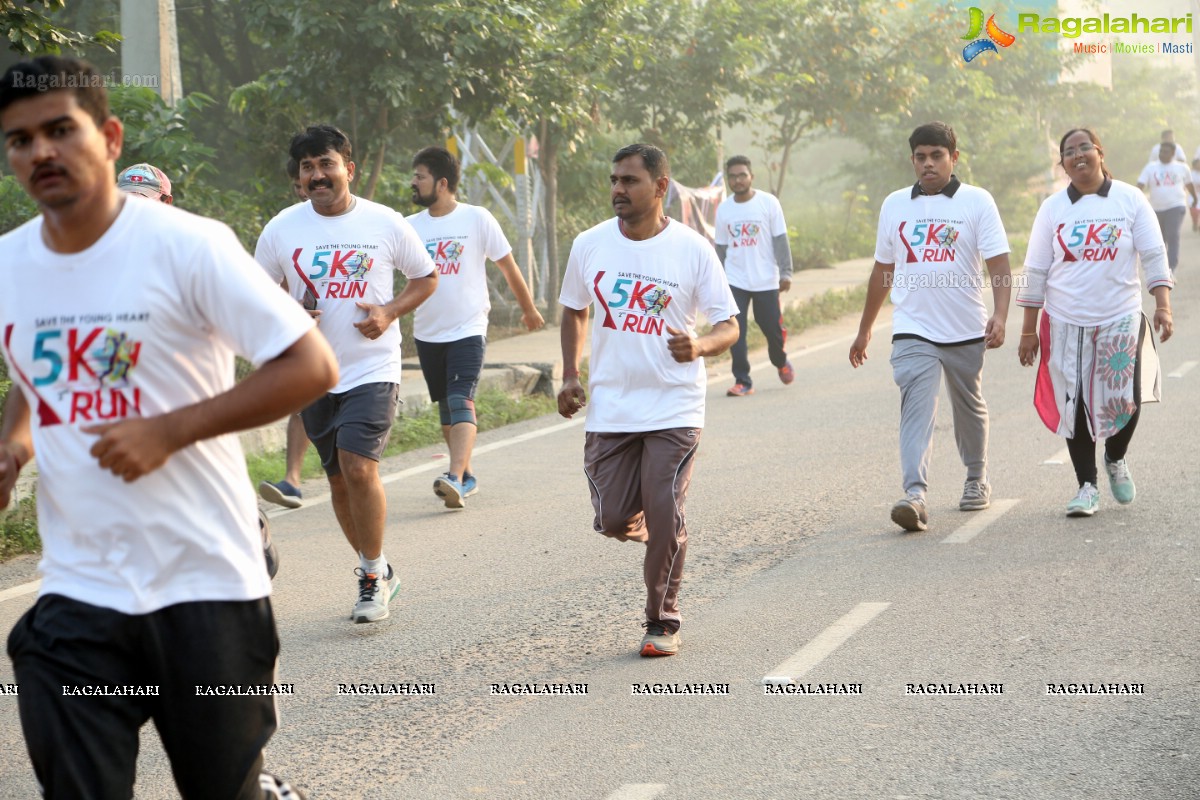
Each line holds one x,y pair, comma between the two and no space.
548,164
380,151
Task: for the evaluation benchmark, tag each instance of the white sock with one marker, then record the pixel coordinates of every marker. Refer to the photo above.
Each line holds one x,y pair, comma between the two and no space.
374,566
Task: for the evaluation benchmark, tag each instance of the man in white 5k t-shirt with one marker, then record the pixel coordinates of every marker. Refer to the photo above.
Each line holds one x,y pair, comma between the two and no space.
648,277
932,241
337,254
752,243
120,319
1169,184
451,326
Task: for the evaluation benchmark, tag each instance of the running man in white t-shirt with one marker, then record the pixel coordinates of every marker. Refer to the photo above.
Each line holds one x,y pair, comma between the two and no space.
752,243
932,241
451,326
119,320
337,254
1171,192
649,278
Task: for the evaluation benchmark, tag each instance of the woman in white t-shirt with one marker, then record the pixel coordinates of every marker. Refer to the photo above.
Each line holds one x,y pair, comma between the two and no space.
1098,361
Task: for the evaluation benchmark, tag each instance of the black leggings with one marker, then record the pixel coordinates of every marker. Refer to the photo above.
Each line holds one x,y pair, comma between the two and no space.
1083,448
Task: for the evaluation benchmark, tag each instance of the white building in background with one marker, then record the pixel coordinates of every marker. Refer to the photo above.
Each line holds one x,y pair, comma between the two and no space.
150,47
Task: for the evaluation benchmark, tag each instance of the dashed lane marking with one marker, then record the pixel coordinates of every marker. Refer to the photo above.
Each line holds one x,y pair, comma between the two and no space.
979,521
638,791
1183,369
825,643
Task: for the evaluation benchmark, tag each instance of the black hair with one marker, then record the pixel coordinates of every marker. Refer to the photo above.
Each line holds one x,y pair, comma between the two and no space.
441,163
933,134
653,158
734,161
317,140
53,74
1094,140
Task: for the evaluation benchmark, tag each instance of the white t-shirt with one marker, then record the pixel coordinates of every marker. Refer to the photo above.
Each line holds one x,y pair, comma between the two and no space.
145,321
459,244
345,260
1082,261
748,230
639,288
1167,184
938,244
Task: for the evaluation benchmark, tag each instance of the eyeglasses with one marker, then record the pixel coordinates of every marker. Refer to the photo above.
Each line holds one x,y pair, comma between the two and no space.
1071,152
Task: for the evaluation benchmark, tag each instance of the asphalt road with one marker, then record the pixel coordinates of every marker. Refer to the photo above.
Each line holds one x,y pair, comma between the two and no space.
794,569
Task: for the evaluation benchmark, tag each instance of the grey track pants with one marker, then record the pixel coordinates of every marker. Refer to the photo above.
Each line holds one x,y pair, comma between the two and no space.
917,368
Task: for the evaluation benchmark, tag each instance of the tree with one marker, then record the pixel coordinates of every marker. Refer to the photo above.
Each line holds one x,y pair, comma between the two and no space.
30,30
822,61
382,69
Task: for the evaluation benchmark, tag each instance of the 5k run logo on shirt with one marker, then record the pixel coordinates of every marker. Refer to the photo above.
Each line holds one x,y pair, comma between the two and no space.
447,255
1099,241
744,234
935,240
639,303
91,366
351,266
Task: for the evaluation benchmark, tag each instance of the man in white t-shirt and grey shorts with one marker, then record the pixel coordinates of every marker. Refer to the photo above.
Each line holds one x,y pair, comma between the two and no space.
451,326
337,254
649,278
931,242
120,319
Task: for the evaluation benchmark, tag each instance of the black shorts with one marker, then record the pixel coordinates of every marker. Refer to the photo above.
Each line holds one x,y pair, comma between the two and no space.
452,367
85,745
358,421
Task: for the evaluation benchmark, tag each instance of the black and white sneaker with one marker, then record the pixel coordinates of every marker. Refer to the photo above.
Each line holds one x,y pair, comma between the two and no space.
275,789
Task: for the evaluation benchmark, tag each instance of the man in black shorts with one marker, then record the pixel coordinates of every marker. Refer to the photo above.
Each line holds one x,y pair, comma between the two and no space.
154,603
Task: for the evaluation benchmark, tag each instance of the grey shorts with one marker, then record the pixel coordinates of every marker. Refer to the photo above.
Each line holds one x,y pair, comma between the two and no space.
358,421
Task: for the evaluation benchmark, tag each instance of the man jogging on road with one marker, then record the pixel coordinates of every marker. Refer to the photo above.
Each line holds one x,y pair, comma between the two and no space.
649,277
451,326
752,243
337,254
121,319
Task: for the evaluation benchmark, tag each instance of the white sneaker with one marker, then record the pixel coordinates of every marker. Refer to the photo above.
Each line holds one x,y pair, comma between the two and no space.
374,593
1086,503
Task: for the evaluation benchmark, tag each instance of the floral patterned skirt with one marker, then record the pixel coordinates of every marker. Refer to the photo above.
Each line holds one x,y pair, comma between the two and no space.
1108,368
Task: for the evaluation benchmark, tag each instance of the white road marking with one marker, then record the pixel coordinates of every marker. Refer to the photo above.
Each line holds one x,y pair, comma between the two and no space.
638,791
20,591
1183,369
825,643
1058,459
979,521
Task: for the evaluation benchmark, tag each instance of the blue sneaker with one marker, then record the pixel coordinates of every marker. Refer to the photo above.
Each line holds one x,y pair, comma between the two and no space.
470,485
1120,481
450,490
281,494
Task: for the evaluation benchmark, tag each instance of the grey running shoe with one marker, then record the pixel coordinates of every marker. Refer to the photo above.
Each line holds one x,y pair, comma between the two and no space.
1120,481
909,513
449,488
374,593
659,641
977,495
281,494
1086,503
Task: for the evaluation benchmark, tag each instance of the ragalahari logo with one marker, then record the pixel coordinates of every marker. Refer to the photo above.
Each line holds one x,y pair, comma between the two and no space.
995,36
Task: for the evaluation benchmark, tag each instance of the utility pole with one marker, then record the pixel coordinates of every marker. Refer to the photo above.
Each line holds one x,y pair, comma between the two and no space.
150,47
